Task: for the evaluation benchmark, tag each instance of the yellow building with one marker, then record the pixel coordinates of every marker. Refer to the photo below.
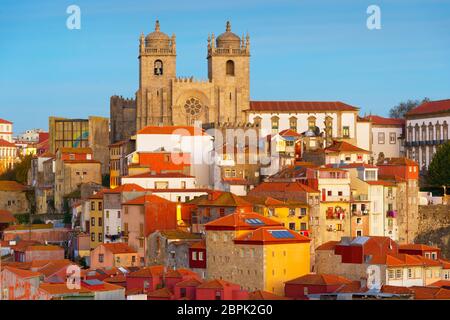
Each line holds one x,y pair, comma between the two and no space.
293,215
256,252
7,155
96,219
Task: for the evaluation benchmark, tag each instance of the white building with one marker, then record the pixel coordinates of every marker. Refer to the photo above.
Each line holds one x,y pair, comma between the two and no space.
30,135
181,139
386,137
426,129
6,130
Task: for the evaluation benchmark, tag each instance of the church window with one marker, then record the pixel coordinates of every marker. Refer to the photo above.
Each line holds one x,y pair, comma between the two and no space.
230,68
158,68
346,132
193,107
275,123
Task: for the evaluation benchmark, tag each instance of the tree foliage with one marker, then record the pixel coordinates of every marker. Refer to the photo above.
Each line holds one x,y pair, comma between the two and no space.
19,172
402,108
439,169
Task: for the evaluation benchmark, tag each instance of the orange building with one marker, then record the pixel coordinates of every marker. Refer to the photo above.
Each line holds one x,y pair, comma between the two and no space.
108,255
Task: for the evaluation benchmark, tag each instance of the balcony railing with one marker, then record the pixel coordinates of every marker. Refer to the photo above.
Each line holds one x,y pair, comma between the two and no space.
360,213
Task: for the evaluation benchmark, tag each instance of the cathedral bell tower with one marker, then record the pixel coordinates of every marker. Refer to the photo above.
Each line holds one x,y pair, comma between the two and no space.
229,70
157,66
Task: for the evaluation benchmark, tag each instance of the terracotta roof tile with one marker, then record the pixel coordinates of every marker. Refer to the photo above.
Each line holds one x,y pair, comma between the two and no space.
431,107
6,185
216,284
147,272
225,199
342,146
25,274
299,106
76,150
6,144
320,279
266,236
149,198
62,289
160,293
241,221
265,295
7,217
193,282
178,130
3,121
377,120
118,248
160,175
417,246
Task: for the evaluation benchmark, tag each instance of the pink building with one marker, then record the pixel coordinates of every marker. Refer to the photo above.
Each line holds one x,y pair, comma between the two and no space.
19,284
43,252
173,277
108,255
220,290
148,279
187,289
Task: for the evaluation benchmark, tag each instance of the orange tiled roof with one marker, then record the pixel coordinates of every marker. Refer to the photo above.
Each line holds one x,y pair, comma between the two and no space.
160,175
289,133
61,289
152,271
216,284
241,221
25,274
431,107
395,290
320,279
417,246
6,144
283,187
118,248
441,283
300,106
7,217
225,199
160,293
264,236
381,183
342,146
179,130
6,185
75,150
179,273
120,278
129,187
54,266
149,198
428,293
445,264
265,295
193,282
377,120
398,162
3,121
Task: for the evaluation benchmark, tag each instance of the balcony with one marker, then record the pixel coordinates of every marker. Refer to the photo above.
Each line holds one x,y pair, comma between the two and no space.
335,214
360,197
360,213
337,199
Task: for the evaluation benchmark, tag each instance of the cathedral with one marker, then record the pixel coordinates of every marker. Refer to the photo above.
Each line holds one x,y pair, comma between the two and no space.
165,99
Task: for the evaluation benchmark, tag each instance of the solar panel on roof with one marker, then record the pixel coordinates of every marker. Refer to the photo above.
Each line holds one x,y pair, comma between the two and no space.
254,221
93,282
282,234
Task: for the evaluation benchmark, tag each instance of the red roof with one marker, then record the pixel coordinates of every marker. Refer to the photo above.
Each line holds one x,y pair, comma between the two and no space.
320,279
179,273
147,272
377,120
431,107
6,217
397,162
241,221
265,295
342,146
178,130
3,121
118,248
289,133
160,175
418,247
430,293
160,293
265,236
193,282
23,273
129,187
216,284
149,198
4,143
282,187
300,106
441,283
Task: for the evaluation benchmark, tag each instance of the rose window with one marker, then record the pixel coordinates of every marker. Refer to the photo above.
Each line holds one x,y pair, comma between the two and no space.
193,107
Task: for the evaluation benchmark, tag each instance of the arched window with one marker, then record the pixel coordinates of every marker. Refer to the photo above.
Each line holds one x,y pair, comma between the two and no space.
230,68
158,68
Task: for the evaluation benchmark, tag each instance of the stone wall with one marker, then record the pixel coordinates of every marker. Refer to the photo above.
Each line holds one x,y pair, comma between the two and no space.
434,227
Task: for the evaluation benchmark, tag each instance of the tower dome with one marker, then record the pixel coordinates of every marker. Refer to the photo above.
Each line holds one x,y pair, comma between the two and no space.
228,39
157,39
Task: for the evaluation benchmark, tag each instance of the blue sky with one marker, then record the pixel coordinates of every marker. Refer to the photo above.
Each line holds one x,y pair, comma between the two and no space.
301,50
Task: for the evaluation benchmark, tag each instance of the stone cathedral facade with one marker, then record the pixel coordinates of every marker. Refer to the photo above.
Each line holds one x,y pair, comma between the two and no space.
165,99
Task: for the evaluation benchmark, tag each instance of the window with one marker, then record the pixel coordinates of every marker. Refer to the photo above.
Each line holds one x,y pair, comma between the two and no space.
107,214
92,205
158,68
398,273
346,132
339,227
392,138
222,212
218,295
118,214
391,274
100,222
101,258
293,123
275,124
381,138
303,226
183,292
292,226
200,256
303,211
92,222
311,123
141,243
410,273
230,68
359,233
100,237
92,236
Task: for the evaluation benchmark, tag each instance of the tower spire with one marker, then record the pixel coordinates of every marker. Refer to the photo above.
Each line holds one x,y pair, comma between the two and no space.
228,28
157,28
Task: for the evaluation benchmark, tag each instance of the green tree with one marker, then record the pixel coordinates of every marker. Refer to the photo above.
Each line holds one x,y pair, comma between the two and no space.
439,169
402,108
